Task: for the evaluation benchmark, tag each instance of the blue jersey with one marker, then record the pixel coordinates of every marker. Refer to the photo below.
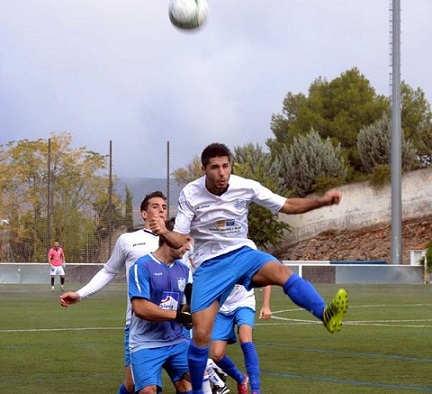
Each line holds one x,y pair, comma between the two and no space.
164,286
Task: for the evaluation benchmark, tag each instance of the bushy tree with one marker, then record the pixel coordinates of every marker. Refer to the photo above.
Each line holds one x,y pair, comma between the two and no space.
192,171
416,112
308,159
335,109
128,219
374,146
52,186
424,146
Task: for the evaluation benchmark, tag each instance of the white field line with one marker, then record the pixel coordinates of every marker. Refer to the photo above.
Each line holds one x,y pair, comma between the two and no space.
62,329
283,320
377,323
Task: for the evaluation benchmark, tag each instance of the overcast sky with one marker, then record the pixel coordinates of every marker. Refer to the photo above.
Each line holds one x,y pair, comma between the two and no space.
118,70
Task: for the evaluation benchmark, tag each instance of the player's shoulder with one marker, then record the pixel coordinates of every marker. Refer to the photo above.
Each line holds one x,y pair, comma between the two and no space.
194,187
180,265
144,261
135,235
240,181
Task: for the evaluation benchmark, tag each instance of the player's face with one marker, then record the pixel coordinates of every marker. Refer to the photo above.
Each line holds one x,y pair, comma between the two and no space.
217,173
157,208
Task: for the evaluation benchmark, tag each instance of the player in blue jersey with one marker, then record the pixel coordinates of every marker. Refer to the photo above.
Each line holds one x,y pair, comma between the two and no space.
158,340
213,211
127,249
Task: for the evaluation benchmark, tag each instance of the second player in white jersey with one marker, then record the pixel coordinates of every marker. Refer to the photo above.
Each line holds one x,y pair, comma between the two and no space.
127,249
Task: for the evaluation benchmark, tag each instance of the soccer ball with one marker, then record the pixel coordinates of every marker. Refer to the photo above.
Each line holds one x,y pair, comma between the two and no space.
188,14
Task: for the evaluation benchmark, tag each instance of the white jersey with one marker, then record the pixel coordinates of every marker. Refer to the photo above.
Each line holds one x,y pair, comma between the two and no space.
218,224
239,297
128,248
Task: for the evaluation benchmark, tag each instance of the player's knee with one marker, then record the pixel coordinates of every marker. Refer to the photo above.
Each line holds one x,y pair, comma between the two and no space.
148,390
183,385
201,337
216,355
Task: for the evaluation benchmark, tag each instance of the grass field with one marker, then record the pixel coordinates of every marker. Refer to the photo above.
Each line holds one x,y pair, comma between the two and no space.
385,345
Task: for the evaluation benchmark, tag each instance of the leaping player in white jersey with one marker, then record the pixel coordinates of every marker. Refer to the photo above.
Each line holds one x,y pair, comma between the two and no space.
213,211
128,248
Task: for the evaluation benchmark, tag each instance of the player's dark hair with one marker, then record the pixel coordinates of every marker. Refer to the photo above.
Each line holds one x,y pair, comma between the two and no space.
214,150
169,224
145,202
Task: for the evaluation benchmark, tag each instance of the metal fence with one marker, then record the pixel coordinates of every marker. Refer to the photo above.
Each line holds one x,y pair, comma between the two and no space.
315,272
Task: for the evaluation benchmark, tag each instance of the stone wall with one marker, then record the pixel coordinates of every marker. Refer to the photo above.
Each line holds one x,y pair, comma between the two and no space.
363,206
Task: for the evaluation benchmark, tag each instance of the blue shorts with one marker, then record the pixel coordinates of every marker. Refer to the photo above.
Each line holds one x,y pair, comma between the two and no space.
147,365
224,326
215,278
126,345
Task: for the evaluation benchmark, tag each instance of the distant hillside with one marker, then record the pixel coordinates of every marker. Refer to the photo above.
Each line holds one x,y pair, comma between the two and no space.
139,187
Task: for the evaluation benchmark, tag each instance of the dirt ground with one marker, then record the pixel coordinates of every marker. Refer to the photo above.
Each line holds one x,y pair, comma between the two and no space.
372,243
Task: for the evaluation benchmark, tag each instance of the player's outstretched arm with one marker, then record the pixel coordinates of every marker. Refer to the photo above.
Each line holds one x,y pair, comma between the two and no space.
302,205
69,298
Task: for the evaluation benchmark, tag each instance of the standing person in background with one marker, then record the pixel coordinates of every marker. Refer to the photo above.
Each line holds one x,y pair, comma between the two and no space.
239,311
128,248
56,260
213,210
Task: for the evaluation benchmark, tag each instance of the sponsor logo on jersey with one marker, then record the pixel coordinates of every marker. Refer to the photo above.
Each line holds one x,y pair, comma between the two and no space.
169,301
240,204
139,244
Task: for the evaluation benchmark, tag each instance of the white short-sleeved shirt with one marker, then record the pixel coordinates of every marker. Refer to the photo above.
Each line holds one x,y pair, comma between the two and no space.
128,248
219,224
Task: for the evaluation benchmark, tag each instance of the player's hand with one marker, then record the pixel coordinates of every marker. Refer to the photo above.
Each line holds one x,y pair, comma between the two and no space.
69,298
157,226
265,313
332,197
184,318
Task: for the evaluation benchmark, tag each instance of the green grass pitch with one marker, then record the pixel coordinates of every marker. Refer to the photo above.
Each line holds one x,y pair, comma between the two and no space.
385,345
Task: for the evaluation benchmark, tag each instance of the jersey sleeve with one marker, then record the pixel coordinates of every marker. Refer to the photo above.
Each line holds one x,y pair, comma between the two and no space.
96,284
267,198
139,282
108,272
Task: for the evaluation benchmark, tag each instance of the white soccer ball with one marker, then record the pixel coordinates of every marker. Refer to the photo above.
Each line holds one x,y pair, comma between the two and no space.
188,14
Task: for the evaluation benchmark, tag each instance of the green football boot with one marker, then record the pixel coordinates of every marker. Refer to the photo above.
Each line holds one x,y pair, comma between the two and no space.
335,311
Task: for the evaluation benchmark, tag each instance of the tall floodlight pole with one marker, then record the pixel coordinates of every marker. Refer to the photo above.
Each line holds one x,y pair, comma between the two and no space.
49,203
168,177
110,209
396,138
